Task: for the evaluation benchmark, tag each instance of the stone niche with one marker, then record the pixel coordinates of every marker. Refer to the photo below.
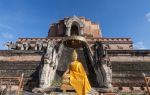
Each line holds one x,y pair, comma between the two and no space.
81,25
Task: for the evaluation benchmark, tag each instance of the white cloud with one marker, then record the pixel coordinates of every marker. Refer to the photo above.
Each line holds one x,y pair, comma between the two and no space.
148,16
7,35
139,45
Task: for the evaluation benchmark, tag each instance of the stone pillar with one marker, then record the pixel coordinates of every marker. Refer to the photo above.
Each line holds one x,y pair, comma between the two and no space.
81,31
68,31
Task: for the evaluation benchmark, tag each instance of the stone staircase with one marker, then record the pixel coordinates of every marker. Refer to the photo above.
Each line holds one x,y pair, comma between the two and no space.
14,62
130,74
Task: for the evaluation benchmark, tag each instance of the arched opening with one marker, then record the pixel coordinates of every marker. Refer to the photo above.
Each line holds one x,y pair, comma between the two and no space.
74,30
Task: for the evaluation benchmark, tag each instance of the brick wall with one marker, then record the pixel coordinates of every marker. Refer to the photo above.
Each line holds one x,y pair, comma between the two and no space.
90,28
128,66
13,63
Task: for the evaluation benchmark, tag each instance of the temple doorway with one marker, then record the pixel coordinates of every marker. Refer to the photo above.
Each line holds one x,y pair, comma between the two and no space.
74,30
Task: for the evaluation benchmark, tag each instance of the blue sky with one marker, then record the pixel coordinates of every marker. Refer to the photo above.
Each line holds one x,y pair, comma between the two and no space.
117,18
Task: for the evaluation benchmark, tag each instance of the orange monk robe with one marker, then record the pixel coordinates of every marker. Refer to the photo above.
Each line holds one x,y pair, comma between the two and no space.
78,78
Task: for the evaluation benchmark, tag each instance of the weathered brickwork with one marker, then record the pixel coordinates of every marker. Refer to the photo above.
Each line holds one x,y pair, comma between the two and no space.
14,63
90,29
110,43
128,66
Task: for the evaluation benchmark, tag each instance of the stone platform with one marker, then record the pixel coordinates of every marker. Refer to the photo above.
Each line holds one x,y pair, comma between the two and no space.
127,71
15,62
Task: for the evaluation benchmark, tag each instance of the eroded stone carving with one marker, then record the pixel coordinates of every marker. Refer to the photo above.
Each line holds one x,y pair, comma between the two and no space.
25,46
106,71
102,59
38,45
51,59
119,47
10,45
74,21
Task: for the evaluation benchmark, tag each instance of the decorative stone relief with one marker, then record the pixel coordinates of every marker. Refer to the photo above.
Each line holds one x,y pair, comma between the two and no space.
74,21
119,47
25,46
38,45
102,59
11,45
51,59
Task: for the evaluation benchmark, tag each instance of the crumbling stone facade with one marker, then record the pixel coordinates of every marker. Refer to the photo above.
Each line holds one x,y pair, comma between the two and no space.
29,54
90,28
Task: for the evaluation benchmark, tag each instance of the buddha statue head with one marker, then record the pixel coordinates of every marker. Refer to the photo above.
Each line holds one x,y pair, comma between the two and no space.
74,55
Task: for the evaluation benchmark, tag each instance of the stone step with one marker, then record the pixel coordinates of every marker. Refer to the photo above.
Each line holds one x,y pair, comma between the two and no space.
19,63
131,66
109,94
18,67
129,74
13,73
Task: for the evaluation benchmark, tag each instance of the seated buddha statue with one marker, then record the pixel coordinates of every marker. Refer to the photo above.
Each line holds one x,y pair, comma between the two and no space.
76,77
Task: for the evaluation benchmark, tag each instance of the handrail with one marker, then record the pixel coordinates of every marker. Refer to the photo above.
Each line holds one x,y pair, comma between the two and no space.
146,80
19,79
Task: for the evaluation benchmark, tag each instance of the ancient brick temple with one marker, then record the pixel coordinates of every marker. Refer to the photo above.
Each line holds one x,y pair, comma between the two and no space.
109,62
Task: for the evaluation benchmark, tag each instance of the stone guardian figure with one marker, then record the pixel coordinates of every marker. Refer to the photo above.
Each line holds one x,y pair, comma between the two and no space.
10,45
25,46
38,45
103,60
51,60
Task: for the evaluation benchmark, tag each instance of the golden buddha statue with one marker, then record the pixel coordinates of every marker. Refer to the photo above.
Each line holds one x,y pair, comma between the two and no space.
76,77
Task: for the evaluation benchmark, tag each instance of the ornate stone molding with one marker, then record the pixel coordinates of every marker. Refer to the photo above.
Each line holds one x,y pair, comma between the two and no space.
74,21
